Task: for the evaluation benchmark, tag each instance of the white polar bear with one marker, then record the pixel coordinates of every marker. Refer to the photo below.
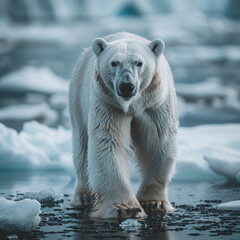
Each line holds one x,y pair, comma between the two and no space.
122,100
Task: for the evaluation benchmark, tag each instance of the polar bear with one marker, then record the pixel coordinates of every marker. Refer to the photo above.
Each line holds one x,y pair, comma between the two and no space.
122,101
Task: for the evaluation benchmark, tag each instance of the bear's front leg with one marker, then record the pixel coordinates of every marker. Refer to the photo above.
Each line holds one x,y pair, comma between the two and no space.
155,140
108,147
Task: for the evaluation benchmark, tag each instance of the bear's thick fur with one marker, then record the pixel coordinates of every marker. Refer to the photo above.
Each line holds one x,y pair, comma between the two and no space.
122,101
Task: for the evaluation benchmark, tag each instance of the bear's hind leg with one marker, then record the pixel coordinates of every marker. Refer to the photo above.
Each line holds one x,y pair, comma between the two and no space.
81,192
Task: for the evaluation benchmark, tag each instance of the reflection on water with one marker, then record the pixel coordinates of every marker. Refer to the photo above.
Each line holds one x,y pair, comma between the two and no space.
30,181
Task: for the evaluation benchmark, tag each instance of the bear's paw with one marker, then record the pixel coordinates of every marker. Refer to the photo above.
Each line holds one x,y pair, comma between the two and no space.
156,207
119,211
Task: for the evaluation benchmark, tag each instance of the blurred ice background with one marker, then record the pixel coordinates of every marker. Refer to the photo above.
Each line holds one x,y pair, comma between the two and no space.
40,40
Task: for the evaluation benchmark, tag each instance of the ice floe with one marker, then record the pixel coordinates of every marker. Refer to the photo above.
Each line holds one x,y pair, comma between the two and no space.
33,79
201,150
19,216
229,206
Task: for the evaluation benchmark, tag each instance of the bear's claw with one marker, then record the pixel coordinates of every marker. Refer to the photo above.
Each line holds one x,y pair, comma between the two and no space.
118,211
157,206
125,210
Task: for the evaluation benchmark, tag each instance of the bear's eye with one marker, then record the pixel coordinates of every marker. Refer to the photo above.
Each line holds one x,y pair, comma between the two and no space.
114,64
139,64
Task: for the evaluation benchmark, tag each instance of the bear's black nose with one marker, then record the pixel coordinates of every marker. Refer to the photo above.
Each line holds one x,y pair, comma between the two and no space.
126,90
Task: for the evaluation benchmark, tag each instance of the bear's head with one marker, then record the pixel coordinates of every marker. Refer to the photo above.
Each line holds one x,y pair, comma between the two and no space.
127,66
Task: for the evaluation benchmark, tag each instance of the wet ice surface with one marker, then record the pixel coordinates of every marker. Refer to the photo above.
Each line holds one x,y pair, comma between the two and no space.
195,203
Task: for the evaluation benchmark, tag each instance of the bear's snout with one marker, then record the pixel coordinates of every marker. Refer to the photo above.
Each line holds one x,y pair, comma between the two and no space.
126,87
126,90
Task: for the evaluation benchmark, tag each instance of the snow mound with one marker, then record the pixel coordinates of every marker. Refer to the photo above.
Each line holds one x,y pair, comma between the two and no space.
44,196
35,147
21,216
130,225
229,206
33,79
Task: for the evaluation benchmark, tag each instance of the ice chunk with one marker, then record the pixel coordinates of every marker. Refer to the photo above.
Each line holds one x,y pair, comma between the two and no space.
225,161
35,147
44,196
231,206
130,225
20,216
33,79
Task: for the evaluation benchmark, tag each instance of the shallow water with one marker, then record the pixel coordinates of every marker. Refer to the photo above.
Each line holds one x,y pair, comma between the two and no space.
195,214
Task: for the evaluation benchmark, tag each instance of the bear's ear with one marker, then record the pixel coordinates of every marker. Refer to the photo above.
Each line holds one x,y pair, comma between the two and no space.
157,46
98,46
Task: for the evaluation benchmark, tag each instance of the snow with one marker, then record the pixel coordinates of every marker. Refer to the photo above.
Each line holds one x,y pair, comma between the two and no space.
44,196
201,150
33,79
27,112
130,225
20,216
229,206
